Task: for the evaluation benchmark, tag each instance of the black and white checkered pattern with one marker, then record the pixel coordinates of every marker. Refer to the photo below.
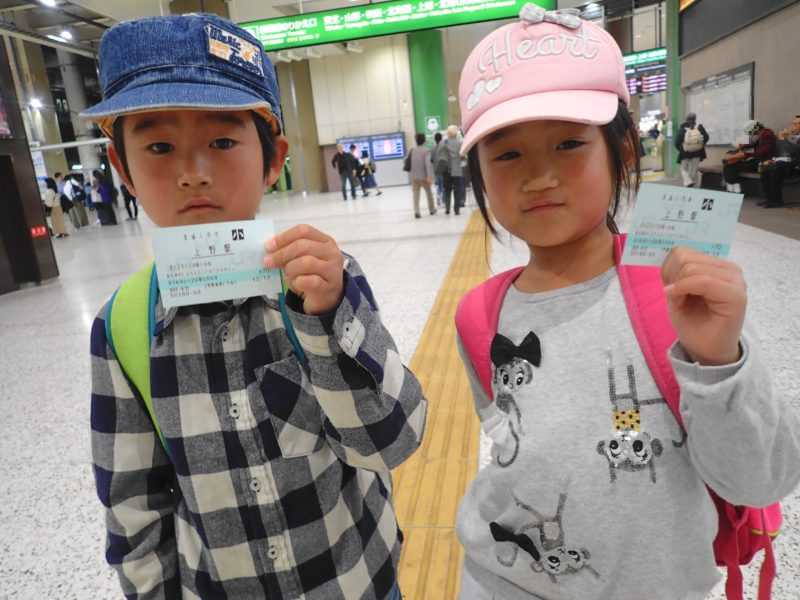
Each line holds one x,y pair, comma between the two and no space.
278,485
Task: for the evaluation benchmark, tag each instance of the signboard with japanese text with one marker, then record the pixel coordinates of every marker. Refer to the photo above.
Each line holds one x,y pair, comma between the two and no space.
385,18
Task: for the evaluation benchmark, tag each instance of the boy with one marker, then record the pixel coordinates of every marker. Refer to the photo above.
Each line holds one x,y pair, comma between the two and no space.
277,483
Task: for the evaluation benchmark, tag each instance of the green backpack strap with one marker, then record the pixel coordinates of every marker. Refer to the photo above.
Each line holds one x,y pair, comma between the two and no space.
131,337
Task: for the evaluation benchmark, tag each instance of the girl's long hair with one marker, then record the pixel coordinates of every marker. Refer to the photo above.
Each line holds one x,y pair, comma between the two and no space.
622,138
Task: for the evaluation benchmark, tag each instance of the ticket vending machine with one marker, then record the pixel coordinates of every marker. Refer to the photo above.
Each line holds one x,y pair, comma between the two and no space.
26,254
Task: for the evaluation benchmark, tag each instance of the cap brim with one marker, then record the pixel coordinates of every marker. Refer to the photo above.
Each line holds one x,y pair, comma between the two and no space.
167,96
578,106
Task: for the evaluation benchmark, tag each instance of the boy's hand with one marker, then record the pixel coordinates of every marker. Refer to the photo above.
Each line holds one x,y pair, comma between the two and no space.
707,298
312,265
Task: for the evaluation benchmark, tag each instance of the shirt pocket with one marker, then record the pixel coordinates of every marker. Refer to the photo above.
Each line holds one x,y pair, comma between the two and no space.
293,409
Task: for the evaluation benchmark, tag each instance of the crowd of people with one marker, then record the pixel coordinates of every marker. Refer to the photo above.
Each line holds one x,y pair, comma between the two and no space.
69,197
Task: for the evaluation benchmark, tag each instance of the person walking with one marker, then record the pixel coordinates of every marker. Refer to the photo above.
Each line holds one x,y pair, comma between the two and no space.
345,164
52,199
421,174
368,169
691,145
130,200
437,179
451,177
103,198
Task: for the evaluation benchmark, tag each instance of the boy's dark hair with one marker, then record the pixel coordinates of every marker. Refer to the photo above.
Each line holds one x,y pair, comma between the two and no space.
57,174
437,137
419,138
622,138
265,136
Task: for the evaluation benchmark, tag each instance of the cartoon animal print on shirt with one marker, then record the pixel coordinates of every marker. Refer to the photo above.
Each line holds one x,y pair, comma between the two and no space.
629,448
512,370
543,540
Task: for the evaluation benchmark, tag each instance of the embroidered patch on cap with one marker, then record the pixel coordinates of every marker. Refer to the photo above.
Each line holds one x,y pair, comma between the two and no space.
234,49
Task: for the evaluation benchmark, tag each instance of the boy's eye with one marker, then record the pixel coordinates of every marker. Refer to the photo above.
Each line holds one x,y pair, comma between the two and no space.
570,145
223,144
160,147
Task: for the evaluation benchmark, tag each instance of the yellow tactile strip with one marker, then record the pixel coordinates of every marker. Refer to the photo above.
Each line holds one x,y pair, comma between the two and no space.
429,486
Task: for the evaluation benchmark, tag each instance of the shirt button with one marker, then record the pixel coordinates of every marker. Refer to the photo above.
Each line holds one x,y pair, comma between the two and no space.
255,485
272,552
234,411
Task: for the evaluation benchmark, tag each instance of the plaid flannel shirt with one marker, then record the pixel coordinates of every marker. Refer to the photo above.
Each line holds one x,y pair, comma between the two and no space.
279,483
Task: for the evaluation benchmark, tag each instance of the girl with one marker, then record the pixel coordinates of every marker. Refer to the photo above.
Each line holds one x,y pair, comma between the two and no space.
594,491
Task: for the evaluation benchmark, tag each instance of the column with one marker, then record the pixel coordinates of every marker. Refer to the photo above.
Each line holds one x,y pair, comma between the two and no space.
76,99
428,84
673,86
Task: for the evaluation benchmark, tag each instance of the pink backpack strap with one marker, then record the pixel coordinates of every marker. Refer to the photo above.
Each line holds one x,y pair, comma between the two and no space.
476,322
644,296
743,531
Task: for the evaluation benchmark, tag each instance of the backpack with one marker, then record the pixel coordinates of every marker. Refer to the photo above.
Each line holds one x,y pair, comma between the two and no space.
78,195
130,336
743,531
441,163
66,203
693,140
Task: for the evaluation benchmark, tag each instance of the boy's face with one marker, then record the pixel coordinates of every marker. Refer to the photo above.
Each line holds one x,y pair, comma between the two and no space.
190,167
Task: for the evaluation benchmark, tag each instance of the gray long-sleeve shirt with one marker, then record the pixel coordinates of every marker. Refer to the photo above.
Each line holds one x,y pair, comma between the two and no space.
421,166
593,491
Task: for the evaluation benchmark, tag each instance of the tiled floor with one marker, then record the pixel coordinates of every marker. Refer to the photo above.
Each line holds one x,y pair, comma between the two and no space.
51,531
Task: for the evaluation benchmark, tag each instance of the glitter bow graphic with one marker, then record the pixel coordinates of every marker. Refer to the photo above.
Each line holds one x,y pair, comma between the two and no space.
568,17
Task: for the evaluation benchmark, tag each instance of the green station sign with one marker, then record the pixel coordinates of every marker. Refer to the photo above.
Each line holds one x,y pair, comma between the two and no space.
648,56
385,18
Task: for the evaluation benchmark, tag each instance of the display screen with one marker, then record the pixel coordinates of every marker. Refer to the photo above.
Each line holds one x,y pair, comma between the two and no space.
384,146
388,146
646,72
362,143
5,129
386,18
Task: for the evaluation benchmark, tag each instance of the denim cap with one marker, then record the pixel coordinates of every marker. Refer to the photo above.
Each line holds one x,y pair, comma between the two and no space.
194,61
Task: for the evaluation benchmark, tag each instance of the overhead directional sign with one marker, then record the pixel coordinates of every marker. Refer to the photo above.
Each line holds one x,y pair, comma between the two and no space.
385,18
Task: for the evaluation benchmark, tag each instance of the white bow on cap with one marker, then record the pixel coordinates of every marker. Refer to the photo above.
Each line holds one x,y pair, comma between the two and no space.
568,17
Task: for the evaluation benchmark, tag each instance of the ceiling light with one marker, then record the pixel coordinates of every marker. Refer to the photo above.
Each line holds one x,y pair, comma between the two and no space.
56,38
354,47
67,35
313,53
36,103
282,56
48,2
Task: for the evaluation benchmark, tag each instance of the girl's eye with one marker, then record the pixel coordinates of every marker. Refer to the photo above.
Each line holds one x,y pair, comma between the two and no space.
160,147
511,155
223,144
570,145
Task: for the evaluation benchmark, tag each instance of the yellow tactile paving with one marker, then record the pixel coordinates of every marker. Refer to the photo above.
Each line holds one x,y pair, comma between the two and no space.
429,486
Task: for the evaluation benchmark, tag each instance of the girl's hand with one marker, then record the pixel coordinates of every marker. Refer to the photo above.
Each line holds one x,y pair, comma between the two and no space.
312,265
707,298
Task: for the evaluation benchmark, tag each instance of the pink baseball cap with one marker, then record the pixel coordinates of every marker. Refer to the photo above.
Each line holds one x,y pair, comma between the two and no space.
549,65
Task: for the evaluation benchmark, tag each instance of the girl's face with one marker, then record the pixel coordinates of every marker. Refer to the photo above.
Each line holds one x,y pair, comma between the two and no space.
548,183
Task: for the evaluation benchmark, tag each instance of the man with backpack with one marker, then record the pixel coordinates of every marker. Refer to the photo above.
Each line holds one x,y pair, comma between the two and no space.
691,145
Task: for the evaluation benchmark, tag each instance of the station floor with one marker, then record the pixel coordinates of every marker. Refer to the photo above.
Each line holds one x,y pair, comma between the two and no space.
51,524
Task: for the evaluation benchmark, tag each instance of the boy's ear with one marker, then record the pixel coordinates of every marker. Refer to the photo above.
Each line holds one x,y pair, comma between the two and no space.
113,158
276,166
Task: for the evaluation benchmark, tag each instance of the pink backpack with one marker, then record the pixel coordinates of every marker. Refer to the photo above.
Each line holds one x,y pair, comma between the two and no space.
743,531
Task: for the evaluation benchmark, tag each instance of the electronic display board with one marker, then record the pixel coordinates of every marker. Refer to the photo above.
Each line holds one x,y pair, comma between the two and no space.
646,72
383,146
385,18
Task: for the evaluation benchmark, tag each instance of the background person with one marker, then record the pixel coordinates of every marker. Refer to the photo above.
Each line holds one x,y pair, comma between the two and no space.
130,201
103,198
421,174
787,164
52,200
747,157
691,144
345,164
451,178
437,179
368,169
